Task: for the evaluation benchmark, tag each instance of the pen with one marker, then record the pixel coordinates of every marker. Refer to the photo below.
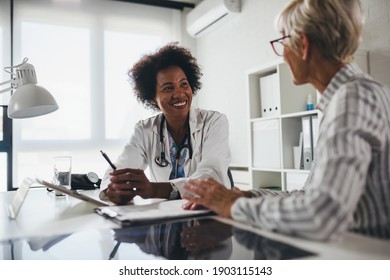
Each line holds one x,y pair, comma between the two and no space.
108,160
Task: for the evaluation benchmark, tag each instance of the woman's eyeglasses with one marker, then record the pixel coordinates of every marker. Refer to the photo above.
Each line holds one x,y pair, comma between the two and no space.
278,45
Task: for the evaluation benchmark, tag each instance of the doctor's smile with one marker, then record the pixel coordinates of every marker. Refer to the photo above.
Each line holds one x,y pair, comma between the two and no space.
180,105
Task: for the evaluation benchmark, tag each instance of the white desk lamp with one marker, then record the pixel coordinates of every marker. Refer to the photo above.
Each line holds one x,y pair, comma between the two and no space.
29,99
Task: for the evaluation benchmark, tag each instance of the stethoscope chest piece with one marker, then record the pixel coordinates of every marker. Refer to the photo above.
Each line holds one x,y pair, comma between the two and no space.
161,160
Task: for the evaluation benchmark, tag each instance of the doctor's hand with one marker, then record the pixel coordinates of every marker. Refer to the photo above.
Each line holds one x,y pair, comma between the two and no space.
126,183
212,195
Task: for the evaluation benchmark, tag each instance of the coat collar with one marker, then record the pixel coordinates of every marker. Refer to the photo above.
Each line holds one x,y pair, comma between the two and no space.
195,121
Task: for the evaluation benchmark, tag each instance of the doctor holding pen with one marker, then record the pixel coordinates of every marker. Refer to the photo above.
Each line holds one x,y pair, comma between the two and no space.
178,143
348,188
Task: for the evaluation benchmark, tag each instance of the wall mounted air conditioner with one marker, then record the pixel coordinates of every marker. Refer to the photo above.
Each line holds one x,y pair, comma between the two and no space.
209,14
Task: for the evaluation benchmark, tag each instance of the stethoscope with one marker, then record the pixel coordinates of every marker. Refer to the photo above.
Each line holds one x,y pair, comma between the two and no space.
161,160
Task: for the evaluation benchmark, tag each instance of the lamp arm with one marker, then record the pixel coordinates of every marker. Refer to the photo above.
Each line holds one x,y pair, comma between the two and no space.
16,66
12,81
5,90
4,83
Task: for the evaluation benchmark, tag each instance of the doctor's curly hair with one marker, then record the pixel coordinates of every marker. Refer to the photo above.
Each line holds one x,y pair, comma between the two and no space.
143,74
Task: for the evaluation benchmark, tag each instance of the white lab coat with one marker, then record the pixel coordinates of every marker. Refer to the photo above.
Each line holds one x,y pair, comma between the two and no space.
209,140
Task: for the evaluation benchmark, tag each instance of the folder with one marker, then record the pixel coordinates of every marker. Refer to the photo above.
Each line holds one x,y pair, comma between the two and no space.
299,155
307,143
269,95
146,211
72,193
276,97
314,130
126,215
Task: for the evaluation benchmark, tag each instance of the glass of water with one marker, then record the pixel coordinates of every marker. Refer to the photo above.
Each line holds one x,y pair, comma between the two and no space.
62,171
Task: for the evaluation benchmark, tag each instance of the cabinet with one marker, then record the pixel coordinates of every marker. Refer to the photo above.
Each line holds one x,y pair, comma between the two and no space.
276,108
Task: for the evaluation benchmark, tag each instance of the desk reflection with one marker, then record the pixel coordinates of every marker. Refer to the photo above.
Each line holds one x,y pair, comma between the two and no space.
204,239
268,249
190,239
193,239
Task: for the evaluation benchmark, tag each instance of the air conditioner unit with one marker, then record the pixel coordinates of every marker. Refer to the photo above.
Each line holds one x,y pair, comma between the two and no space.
209,14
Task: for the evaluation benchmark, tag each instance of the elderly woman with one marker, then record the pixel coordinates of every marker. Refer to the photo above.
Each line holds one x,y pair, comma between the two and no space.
179,143
349,185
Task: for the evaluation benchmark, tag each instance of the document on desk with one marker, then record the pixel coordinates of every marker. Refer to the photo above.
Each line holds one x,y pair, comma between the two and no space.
127,215
72,193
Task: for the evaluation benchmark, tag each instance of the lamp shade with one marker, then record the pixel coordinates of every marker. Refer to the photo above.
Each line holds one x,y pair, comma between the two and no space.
31,100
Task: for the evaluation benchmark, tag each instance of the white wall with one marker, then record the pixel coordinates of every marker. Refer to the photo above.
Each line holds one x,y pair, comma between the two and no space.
376,38
243,43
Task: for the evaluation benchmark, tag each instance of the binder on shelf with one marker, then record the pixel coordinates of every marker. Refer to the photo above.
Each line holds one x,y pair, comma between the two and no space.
314,129
307,144
299,156
276,97
269,95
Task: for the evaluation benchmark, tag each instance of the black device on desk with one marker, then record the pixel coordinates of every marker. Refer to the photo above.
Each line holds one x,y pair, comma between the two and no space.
88,181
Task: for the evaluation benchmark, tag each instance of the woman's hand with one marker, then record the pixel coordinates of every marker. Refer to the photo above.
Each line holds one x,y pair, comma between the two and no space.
193,206
205,235
126,184
212,195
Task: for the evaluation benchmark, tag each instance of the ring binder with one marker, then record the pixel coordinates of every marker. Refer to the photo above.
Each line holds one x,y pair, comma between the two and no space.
307,142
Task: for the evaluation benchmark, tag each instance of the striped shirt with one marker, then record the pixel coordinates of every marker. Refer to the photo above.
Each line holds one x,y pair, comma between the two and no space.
348,187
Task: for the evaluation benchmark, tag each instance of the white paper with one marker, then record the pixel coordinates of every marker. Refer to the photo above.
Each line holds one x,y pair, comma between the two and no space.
154,211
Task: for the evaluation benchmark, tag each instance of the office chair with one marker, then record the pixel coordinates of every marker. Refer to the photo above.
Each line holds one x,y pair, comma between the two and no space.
229,173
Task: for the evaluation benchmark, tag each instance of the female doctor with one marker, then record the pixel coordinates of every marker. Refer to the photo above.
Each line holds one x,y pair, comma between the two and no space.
179,143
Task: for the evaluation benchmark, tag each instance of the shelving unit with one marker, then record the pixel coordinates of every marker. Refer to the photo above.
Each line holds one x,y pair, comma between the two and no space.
240,176
272,137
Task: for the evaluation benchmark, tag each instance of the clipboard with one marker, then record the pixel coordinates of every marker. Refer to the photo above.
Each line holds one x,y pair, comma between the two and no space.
72,193
129,215
134,214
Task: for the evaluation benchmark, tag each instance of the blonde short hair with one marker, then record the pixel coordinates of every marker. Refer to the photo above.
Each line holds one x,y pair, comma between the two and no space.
333,26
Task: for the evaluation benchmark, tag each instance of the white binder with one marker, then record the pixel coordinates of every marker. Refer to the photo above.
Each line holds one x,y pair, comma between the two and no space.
300,152
307,142
314,130
269,95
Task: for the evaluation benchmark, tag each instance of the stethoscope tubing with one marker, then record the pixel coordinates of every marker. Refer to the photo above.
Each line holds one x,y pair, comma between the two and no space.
161,160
